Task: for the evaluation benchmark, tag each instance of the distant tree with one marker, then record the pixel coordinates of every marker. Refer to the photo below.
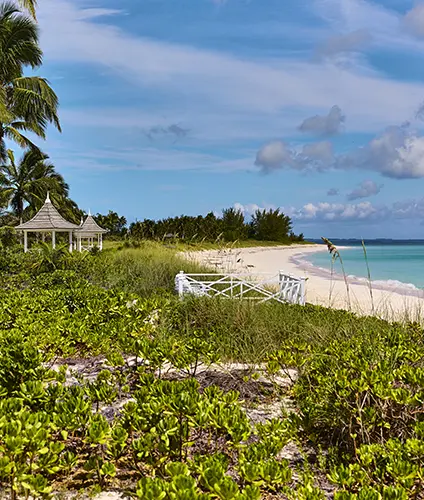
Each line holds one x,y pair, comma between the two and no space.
212,227
117,225
270,225
233,225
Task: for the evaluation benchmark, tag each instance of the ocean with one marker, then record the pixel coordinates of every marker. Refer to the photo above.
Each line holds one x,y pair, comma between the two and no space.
391,262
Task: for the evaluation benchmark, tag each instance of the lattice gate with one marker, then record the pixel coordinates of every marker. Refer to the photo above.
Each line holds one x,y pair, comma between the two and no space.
281,287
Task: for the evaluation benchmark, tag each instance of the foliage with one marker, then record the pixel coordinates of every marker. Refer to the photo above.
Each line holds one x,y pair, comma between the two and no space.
8,237
27,103
367,388
113,222
232,226
271,225
149,419
29,181
176,440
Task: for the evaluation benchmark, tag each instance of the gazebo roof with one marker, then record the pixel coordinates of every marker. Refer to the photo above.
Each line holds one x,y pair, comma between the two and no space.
90,227
47,219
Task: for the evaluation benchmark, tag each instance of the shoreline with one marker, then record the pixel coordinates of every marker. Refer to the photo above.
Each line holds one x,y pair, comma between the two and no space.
392,301
385,285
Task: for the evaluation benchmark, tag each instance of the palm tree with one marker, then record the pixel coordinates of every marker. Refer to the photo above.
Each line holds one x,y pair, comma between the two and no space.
30,6
27,103
25,185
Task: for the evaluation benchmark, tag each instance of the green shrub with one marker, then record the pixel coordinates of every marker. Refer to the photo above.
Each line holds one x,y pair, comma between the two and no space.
365,389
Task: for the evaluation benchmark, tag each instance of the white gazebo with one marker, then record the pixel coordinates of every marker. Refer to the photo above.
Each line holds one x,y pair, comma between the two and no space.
89,231
47,220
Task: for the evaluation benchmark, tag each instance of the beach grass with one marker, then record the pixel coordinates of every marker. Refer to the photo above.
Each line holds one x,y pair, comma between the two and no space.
149,269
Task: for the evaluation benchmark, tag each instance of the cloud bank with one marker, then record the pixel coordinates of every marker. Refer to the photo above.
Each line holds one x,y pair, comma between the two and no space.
397,153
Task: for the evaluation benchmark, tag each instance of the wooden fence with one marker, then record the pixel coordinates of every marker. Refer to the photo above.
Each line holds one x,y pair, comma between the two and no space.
280,287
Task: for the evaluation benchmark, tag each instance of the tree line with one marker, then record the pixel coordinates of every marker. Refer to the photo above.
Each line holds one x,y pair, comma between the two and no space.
231,225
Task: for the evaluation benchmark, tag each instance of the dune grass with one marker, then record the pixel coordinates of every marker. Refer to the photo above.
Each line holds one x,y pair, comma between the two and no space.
147,270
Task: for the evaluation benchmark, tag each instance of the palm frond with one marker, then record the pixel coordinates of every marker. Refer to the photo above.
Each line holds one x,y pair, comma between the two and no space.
35,101
30,6
18,43
20,139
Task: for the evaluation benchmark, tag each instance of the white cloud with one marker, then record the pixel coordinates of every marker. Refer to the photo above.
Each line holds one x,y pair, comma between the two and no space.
321,152
254,87
414,20
397,153
344,212
327,125
365,190
347,42
335,212
390,30
87,14
145,158
250,208
274,155
277,155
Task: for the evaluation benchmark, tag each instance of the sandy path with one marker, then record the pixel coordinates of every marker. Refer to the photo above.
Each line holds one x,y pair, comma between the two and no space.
390,302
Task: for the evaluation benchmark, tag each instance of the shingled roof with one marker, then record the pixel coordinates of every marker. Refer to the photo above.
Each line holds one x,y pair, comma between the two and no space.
90,227
47,219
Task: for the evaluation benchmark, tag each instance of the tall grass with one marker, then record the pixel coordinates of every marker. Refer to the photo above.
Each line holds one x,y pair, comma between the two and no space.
147,270
248,332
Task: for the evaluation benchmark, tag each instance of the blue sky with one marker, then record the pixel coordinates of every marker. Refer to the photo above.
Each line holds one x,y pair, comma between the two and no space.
191,106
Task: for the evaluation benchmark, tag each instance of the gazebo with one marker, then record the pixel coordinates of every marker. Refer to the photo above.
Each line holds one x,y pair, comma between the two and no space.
89,230
47,220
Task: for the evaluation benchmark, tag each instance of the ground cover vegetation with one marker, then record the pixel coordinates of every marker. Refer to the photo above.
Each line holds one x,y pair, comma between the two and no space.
105,385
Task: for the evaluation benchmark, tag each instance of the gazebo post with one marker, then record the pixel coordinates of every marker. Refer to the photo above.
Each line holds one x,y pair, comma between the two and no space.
25,241
53,239
79,243
70,242
101,241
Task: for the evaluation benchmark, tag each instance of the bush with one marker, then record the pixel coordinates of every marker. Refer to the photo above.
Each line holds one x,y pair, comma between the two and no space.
8,237
365,389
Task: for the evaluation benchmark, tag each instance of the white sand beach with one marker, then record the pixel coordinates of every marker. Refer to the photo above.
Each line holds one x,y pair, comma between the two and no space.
393,302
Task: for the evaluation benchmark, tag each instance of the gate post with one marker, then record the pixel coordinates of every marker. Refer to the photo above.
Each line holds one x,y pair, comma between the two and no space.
302,291
179,283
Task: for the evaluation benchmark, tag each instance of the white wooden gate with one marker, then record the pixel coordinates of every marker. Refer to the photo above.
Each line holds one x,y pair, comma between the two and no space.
261,287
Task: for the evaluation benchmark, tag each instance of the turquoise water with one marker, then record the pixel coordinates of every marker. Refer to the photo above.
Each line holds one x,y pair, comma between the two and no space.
388,263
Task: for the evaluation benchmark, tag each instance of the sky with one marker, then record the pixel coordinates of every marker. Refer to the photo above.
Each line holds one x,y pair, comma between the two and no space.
173,107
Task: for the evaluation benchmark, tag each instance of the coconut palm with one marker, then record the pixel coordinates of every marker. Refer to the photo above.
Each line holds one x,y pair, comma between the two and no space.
29,5
27,103
25,184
